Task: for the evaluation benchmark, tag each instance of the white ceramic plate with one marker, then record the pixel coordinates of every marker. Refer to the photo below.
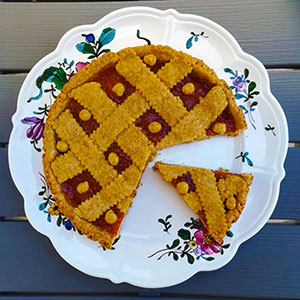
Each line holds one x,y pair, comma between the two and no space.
141,256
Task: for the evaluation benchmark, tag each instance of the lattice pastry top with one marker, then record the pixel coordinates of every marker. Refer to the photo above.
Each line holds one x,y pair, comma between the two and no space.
113,115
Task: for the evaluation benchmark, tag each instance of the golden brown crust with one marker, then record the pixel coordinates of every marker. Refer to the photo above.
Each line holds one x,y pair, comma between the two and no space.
88,71
116,124
240,122
209,199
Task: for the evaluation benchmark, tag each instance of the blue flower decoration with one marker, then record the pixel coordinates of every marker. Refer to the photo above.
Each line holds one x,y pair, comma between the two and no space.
69,225
90,38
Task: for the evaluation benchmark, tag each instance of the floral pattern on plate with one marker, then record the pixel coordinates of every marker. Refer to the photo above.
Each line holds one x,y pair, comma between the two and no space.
191,244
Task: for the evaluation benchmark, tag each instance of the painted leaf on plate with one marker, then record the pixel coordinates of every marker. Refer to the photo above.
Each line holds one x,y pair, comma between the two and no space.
85,48
55,75
107,36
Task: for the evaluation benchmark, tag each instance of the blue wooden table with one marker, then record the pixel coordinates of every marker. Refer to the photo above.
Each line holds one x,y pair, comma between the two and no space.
266,266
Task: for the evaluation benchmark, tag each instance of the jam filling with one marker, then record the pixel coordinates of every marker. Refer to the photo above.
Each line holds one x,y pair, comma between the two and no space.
202,217
110,228
124,160
56,138
220,175
227,118
88,126
69,188
186,178
148,117
201,85
158,65
108,78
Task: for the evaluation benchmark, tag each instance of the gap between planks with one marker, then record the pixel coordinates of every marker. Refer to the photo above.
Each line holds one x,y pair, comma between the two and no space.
269,68
117,296
270,221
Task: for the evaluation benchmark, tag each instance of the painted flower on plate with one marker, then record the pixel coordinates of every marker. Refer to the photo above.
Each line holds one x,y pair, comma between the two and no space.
239,83
69,225
207,242
80,65
197,251
90,38
36,129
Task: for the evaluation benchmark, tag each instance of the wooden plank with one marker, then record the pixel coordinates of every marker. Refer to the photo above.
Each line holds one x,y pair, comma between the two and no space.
284,85
265,266
267,29
10,85
96,296
286,88
12,203
288,206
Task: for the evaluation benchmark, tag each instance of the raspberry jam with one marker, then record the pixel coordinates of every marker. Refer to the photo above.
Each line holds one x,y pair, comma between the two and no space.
202,217
69,188
201,85
158,65
220,175
111,228
108,77
148,117
124,160
75,108
227,118
186,178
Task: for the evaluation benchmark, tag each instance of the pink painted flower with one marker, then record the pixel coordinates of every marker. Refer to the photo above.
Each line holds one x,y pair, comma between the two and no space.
207,242
80,65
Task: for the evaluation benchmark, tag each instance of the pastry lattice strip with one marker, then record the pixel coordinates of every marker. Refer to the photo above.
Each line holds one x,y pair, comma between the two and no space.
120,119
193,126
91,96
187,126
131,139
156,93
89,156
123,186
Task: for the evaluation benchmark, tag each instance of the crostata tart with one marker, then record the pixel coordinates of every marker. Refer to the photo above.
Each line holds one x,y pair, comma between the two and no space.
112,116
216,197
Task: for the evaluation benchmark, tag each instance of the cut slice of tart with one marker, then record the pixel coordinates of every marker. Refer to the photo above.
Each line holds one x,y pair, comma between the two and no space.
216,197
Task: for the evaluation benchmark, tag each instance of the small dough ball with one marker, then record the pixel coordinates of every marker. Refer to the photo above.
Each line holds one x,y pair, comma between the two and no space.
113,159
231,203
150,60
62,146
219,127
84,115
182,187
154,127
110,217
118,89
82,187
188,88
